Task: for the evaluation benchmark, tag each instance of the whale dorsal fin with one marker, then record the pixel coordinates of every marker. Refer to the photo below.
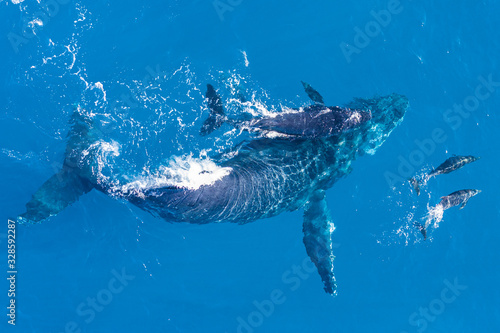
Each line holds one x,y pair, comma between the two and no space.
313,94
318,228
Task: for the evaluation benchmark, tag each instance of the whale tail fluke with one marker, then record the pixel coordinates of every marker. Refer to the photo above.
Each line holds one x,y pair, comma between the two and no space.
217,116
416,185
69,183
58,192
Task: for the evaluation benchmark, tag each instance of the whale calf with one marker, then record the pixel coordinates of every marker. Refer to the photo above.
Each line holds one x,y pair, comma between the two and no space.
456,198
312,121
451,164
259,178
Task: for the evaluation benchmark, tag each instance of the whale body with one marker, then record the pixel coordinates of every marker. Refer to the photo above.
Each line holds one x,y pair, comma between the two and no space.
259,178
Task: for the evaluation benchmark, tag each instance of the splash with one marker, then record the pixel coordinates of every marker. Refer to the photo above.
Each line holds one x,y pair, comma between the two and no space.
181,172
101,156
435,214
408,211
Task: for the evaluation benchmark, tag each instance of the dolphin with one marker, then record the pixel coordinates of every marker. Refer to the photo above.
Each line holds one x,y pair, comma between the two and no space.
451,164
258,178
456,198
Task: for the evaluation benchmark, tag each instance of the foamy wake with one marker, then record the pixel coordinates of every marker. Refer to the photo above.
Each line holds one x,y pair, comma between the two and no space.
434,216
182,172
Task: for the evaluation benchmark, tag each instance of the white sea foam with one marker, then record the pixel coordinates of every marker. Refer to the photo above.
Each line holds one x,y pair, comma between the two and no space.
258,109
36,21
246,58
435,214
274,135
102,154
99,86
181,171
18,156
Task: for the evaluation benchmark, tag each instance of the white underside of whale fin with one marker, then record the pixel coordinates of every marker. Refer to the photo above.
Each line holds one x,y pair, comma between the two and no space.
318,228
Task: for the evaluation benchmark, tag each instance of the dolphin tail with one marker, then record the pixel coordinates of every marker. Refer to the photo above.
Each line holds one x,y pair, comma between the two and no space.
68,184
416,185
217,116
422,229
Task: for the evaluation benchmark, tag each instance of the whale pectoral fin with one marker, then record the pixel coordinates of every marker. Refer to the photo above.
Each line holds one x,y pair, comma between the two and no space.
313,94
318,228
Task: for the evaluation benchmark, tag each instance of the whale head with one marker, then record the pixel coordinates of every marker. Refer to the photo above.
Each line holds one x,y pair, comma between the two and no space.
386,113
471,158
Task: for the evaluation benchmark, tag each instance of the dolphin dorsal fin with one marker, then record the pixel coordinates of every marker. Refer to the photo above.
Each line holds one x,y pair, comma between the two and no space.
318,228
313,94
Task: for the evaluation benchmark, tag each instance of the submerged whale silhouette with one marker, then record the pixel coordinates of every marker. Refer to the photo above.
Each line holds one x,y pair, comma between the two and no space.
259,178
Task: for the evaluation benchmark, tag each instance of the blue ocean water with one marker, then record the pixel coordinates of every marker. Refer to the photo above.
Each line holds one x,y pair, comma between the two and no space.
103,265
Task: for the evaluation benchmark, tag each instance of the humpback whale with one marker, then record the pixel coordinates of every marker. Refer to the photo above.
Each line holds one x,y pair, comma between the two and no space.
451,164
456,198
258,178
